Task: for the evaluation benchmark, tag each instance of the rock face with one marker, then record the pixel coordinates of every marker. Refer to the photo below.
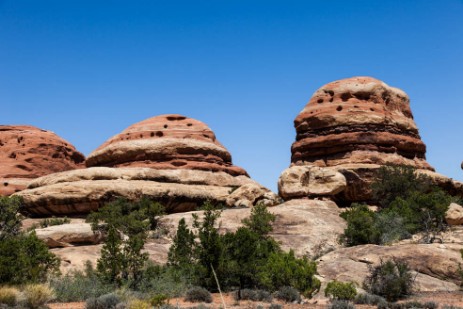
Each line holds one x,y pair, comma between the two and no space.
436,265
171,159
354,126
27,152
166,142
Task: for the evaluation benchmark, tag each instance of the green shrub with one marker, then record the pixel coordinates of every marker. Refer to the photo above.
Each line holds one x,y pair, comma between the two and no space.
53,221
451,307
9,296
37,295
107,301
409,204
275,306
198,294
288,294
391,279
369,299
284,269
341,290
79,286
23,257
341,304
361,227
158,300
139,304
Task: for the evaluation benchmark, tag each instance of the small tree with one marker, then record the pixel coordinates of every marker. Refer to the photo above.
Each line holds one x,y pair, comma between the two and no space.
260,221
126,224
181,253
23,257
209,249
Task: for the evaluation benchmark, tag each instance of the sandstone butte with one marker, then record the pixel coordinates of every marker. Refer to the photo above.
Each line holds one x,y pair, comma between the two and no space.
27,152
172,159
347,130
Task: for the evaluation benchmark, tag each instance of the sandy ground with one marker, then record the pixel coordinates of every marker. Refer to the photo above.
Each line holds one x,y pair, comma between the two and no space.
442,298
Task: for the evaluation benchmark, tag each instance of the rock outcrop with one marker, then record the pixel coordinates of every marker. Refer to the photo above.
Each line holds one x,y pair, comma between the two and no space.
435,265
170,158
454,215
27,152
309,227
353,127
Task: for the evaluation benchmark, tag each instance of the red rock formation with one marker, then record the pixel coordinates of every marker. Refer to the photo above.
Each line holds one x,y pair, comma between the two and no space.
171,159
358,120
166,142
27,152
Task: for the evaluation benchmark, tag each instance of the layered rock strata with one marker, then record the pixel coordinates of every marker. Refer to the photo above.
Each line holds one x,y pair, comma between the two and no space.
353,127
170,158
27,152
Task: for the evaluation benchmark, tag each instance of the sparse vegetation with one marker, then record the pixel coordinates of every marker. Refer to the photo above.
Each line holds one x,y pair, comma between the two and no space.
107,301
390,279
198,294
8,296
288,294
37,295
341,304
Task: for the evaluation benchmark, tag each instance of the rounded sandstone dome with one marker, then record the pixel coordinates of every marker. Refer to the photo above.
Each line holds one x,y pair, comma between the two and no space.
358,120
27,152
166,142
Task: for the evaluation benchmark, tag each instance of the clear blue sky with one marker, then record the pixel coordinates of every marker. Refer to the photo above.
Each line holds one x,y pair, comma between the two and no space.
88,69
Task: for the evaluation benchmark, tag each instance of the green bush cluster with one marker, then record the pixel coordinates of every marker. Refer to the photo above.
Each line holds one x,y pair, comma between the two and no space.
340,290
409,204
246,259
23,257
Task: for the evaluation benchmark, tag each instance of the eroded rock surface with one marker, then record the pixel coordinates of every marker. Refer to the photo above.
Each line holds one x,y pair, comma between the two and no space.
170,158
435,265
454,215
353,126
27,152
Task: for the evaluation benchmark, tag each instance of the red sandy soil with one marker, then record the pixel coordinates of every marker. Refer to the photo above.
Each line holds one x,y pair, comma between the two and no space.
442,298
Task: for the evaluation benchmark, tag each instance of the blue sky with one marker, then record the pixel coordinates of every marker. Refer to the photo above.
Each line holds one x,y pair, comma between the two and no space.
88,69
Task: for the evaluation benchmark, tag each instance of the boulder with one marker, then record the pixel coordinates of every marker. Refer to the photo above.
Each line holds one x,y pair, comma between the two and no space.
27,152
435,265
454,215
71,234
171,159
310,181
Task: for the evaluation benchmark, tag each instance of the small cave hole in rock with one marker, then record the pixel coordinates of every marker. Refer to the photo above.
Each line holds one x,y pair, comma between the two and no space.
363,96
159,134
165,126
339,108
173,118
190,124
356,106
320,101
346,96
331,100
152,134
5,184
372,109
